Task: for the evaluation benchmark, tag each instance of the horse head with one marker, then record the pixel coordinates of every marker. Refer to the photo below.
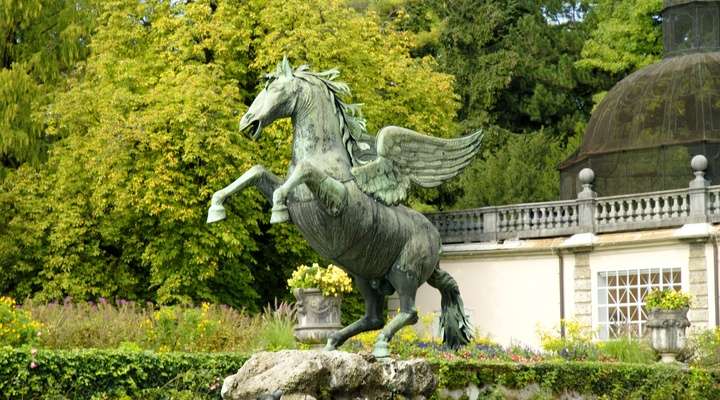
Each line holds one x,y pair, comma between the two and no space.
277,100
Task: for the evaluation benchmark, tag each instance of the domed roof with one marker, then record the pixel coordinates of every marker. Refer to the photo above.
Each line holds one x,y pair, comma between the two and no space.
675,101
673,3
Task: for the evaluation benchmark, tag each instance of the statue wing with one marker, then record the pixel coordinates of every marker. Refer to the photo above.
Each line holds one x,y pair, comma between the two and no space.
405,156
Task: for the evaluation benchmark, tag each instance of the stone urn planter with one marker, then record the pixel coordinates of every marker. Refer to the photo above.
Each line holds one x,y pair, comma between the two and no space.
667,331
318,316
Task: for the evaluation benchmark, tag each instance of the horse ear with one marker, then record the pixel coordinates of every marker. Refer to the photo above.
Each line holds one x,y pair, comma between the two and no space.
284,68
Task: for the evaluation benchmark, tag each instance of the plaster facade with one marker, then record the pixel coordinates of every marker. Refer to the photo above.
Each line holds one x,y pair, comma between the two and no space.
512,288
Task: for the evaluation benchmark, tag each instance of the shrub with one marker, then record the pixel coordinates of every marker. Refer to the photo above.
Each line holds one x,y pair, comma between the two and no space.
577,343
667,299
208,328
590,379
277,328
705,347
103,374
628,350
16,326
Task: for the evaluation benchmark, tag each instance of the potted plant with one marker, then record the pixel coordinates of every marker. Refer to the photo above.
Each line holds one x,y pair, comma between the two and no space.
667,320
319,293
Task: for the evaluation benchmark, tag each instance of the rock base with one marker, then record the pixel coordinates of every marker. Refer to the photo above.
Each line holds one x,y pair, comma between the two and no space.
324,375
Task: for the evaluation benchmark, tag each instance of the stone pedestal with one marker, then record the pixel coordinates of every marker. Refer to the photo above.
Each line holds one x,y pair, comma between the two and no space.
309,375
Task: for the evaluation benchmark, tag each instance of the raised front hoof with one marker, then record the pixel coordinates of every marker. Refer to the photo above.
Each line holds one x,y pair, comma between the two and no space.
381,350
279,215
215,214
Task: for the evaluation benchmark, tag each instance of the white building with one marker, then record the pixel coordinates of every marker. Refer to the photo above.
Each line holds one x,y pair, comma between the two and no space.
593,258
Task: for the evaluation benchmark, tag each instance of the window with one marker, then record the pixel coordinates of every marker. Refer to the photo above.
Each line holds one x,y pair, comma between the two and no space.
621,294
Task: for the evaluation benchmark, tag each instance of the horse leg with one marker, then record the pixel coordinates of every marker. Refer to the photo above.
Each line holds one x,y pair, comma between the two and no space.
263,179
331,192
374,304
406,284
415,263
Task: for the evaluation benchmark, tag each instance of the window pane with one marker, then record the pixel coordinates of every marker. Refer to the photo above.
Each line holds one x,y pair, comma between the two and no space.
620,298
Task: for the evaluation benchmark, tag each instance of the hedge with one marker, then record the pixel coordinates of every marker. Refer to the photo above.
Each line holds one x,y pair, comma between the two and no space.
113,374
122,374
604,380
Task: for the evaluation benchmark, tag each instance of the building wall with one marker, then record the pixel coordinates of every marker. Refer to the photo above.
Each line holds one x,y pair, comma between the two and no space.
511,289
507,293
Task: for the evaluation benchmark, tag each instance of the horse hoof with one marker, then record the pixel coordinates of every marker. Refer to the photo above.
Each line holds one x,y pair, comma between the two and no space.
330,346
216,213
279,215
381,350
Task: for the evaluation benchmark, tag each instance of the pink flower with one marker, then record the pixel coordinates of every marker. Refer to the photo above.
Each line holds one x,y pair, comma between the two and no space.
33,365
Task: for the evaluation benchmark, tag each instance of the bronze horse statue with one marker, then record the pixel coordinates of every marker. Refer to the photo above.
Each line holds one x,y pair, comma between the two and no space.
343,190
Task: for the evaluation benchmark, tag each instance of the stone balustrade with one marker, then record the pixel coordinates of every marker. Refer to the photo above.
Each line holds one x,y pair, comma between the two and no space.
588,213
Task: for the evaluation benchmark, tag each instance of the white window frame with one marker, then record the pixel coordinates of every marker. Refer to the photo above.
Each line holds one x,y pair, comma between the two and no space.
595,274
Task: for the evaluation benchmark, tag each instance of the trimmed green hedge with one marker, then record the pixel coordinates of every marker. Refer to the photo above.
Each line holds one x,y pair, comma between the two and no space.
121,374
605,380
114,374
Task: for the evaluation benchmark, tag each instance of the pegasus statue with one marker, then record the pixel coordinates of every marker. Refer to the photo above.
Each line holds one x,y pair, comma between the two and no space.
343,191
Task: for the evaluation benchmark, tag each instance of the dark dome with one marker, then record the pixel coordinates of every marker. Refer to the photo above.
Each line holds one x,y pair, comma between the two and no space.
672,102
643,134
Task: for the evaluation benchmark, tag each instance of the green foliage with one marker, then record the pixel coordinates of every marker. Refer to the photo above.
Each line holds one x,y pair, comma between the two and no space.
103,374
208,328
41,42
628,36
705,347
627,350
605,380
667,299
276,332
146,132
576,344
524,169
17,327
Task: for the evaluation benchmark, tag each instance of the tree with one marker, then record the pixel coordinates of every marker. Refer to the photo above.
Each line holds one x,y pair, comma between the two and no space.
628,36
148,131
40,42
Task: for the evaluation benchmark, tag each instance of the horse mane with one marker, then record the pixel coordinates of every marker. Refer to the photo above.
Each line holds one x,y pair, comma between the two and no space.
351,120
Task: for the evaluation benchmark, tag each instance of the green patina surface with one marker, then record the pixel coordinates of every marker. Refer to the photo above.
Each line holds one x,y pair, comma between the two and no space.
343,191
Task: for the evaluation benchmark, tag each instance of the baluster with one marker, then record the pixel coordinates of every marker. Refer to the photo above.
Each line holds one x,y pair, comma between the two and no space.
529,218
656,208
622,211
674,208
612,212
602,214
664,208
645,209
542,217
716,203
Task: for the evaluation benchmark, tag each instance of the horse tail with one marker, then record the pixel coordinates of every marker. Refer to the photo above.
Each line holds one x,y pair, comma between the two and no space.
456,329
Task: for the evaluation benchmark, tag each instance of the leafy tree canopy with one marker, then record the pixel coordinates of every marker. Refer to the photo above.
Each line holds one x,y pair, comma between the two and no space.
40,41
147,130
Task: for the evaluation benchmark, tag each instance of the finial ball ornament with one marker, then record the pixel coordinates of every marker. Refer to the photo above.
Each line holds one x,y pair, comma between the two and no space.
699,163
587,176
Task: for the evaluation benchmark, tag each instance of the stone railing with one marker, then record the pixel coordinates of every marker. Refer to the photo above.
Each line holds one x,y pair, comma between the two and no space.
588,213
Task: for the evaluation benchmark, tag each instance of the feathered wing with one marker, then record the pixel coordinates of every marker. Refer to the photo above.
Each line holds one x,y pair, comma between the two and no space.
405,156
